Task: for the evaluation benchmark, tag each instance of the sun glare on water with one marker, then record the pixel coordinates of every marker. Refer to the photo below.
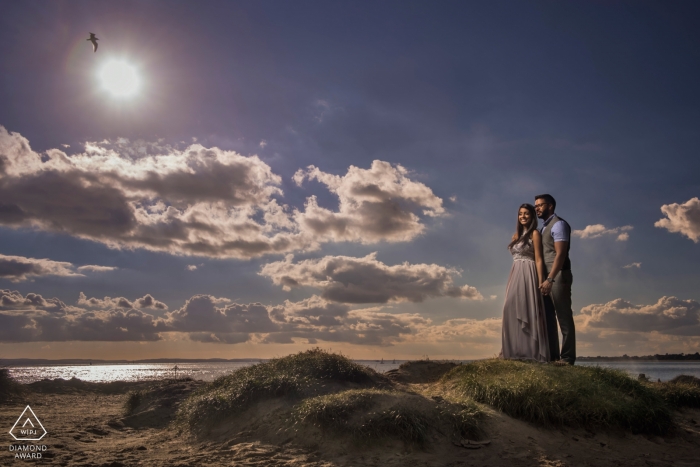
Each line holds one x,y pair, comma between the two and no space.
120,79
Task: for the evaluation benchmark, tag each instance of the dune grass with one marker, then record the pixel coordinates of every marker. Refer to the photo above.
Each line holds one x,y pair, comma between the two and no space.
575,396
333,393
133,400
681,391
371,414
294,376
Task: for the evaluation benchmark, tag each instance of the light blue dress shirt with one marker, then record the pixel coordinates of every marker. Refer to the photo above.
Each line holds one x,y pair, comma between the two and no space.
561,232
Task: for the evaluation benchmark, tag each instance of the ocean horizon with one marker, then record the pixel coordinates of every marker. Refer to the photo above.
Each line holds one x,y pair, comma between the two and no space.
209,370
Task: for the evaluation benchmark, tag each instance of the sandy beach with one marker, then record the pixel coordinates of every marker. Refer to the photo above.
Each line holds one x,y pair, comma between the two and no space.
87,425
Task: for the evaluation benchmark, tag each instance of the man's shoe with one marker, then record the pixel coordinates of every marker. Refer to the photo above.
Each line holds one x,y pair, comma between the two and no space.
560,363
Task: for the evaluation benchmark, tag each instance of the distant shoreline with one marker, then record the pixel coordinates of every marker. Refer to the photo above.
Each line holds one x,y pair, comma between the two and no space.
84,361
5,362
645,358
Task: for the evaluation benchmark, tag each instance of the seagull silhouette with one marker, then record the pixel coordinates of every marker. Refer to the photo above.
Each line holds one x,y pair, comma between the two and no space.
94,40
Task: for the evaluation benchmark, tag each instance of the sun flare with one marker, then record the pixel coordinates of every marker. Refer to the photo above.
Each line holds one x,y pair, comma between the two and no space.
120,79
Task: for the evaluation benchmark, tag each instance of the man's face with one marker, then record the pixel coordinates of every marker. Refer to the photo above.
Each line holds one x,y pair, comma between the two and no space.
543,209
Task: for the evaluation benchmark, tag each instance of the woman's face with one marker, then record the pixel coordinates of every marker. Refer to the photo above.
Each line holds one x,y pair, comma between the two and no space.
524,217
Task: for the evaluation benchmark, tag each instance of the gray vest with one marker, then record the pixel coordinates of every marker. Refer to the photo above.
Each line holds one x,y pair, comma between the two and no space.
548,251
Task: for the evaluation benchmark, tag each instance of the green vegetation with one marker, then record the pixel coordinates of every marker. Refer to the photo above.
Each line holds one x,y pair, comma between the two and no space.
464,418
330,392
335,410
574,396
133,400
681,391
371,414
304,374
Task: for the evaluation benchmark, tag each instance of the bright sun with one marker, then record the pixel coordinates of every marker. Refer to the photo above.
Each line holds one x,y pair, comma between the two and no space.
120,79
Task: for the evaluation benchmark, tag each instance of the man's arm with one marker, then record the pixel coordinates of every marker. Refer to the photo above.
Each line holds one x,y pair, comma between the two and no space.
560,248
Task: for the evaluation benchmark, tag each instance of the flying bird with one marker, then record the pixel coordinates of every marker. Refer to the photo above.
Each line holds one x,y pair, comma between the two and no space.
94,40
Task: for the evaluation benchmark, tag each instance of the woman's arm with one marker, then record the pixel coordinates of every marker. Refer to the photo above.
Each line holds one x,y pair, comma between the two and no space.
539,259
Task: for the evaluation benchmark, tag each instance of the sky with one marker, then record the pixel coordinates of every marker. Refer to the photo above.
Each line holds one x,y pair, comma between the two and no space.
239,179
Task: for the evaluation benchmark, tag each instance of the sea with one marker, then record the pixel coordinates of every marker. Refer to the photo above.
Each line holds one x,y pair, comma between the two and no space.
209,371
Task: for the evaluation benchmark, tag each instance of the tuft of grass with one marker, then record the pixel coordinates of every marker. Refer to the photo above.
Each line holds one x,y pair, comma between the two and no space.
335,410
372,414
572,395
305,373
403,422
464,419
686,379
681,391
133,400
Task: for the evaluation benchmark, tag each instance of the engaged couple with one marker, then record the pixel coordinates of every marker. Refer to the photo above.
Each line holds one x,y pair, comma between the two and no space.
538,294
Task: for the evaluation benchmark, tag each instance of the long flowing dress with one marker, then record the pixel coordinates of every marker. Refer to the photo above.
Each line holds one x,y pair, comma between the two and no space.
524,320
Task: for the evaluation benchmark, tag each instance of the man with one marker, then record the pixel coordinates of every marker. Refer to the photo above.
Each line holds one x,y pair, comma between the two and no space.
556,287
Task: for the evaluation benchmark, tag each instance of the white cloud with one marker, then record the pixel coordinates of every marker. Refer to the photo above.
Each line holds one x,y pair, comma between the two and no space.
380,203
347,279
632,265
21,268
195,201
669,315
199,201
682,218
318,319
147,301
484,332
191,267
620,327
599,230
32,318
95,268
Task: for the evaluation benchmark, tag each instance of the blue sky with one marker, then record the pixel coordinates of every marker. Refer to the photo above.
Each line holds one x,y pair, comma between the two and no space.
342,174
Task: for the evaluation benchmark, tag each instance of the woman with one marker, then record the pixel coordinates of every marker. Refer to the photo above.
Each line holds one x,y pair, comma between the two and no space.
524,325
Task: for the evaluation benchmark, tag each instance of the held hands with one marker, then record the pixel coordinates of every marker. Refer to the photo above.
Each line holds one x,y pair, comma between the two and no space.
545,287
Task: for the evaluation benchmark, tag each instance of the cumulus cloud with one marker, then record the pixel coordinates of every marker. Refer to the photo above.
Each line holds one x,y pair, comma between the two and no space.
147,301
191,267
366,280
13,300
195,201
379,203
199,201
311,319
200,314
480,336
669,315
21,268
33,318
205,318
318,319
682,218
599,230
202,318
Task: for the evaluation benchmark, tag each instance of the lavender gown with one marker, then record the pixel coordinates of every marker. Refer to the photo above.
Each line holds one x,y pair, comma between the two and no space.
524,324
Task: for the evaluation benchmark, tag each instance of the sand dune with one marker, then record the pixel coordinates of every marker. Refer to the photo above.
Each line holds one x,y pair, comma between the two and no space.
89,424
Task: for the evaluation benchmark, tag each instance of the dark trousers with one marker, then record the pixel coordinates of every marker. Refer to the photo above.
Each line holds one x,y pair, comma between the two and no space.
558,309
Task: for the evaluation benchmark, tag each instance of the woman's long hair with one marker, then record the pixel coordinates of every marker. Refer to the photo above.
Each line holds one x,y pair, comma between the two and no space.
523,232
